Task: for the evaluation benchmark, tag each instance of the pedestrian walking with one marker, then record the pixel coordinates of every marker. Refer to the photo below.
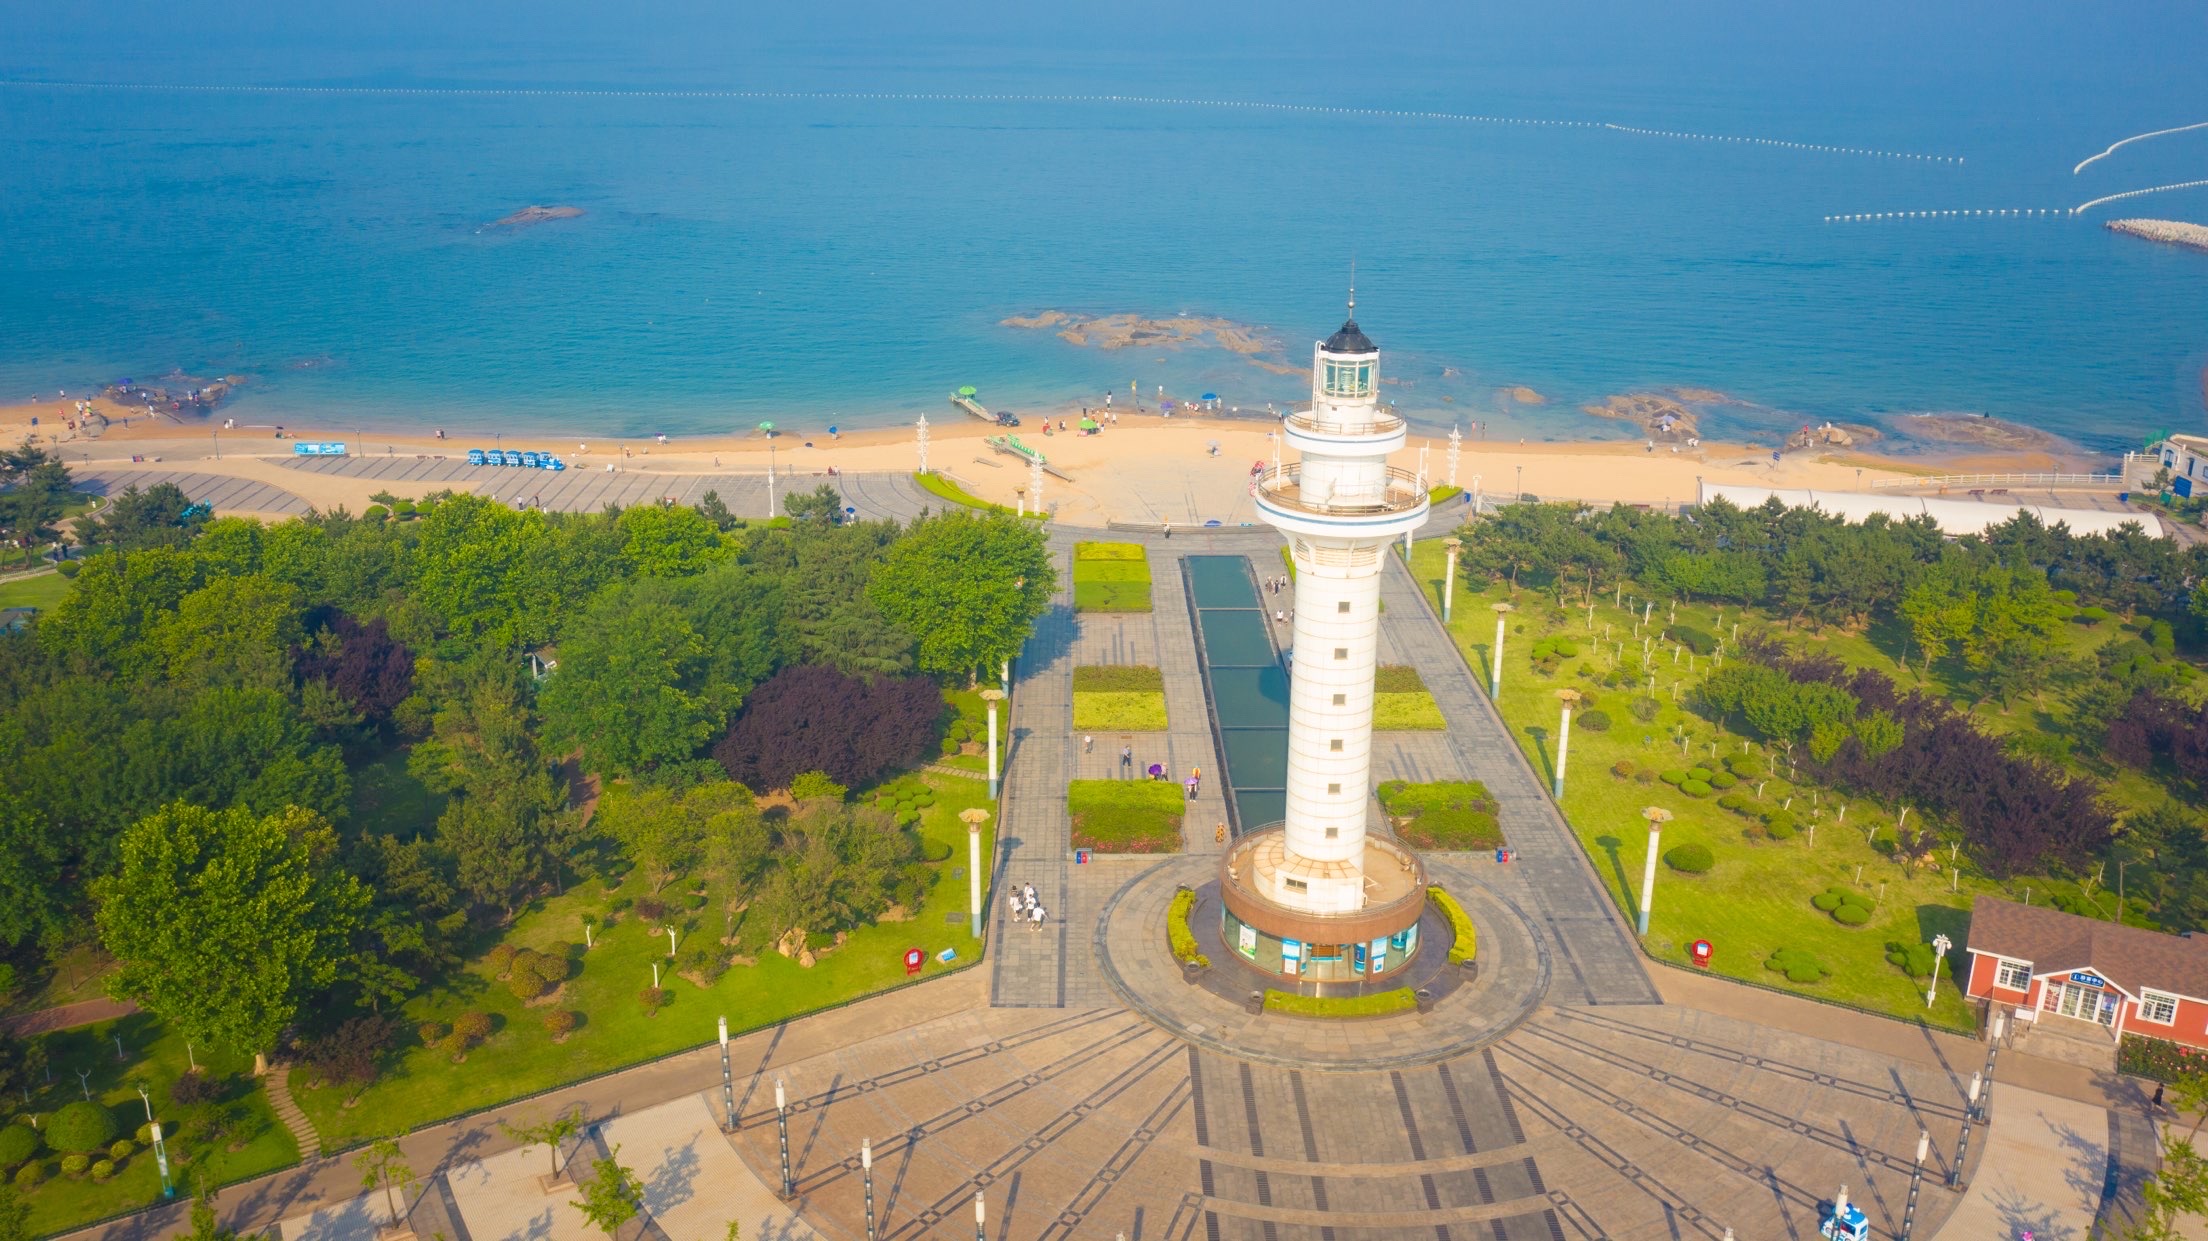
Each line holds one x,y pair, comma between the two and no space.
1088,744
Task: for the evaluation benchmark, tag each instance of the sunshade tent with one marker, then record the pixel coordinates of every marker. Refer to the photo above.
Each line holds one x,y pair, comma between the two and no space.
968,390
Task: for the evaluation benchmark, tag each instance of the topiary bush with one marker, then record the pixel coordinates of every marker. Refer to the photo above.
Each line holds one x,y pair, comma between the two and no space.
432,1032
1595,721
652,910
1798,965
1672,776
1694,788
1693,639
1780,823
501,958
145,1134
121,1149
561,1022
30,1174
1622,769
1699,773
1915,960
80,1127
653,999
1732,801
809,785
1689,859
76,1165
1847,906
1722,780
1644,775
1745,766
1644,709
525,984
554,966
17,1143
102,1170
1851,915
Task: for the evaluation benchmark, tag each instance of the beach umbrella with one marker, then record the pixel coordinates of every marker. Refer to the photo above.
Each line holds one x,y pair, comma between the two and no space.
1211,396
968,390
767,427
1088,424
1213,522
831,430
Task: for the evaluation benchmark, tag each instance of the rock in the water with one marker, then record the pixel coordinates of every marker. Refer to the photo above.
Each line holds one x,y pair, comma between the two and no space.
533,215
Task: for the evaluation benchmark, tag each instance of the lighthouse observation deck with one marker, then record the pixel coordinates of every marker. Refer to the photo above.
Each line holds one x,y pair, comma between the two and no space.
1397,492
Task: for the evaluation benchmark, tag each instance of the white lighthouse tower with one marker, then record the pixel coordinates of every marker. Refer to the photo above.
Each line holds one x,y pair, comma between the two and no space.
1318,881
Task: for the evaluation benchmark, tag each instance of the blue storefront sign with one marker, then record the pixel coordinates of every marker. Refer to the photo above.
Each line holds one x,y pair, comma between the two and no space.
318,448
2087,978
1357,958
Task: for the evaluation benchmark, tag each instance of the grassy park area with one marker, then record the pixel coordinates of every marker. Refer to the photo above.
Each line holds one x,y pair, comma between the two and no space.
1755,900
1110,577
1402,703
33,590
1126,816
226,1133
424,1084
942,487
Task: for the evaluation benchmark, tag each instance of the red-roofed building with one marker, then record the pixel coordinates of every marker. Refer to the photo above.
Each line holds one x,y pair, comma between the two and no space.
2047,965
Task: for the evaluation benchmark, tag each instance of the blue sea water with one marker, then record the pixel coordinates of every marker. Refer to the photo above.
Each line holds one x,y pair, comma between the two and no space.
829,258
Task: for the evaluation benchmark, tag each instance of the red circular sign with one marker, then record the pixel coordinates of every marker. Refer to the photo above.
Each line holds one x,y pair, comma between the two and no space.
913,958
1701,951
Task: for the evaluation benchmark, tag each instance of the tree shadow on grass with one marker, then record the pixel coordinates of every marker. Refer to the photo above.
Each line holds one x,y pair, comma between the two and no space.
1610,846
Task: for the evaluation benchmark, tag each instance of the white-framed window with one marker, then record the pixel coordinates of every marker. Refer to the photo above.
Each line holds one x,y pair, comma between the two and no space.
2158,1008
2014,975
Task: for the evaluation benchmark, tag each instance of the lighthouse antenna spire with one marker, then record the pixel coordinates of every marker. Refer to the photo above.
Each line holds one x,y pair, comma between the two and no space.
1353,285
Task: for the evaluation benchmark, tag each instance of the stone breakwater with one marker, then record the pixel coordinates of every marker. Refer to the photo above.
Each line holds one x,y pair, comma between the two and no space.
2169,232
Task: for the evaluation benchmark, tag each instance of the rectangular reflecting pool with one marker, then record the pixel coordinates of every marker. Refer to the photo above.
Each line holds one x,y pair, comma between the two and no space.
1246,684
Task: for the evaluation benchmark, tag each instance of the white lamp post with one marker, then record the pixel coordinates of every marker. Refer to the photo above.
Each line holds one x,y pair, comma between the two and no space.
728,1080
782,1131
1657,816
992,697
923,443
1449,577
866,1170
1564,738
1940,945
974,819
1495,672
980,1218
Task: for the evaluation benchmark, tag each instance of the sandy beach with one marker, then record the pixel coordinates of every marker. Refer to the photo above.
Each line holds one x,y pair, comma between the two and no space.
1145,468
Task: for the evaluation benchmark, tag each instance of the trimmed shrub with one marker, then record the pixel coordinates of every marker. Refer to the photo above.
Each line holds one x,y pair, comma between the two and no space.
1622,769
430,1032
1915,960
1397,679
1732,801
1722,780
1371,1004
17,1143
1595,721
1780,822
705,957
526,985
1178,934
1460,925
1694,788
1699,773
1689,859
555,966
1745,766
76,1165
807,785
653,999
1644,709
1644,775
30,1174
1672,776
123,1148
501,958
194,1088
1847,906
1117,679
102,1170
474,1027
145,1134
1798,965
80,1127
561,1022
652,910
1693,639
1851,915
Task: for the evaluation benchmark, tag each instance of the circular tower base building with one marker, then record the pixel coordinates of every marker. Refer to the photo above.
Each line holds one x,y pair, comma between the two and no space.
1374,941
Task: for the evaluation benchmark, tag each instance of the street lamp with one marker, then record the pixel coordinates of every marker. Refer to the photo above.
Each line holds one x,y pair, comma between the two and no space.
974,818
1916,1179
161,1160
1564,737
782,1130
1657,816
1940,945
728,1080
1495,674
980,1218
1449,577
992,697
866,1174
1521,485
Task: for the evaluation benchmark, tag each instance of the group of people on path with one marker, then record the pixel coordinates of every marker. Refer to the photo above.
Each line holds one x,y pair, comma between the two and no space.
1277,586
1025,908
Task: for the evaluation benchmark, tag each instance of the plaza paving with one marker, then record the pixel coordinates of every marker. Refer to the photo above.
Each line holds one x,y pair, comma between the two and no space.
1581,1098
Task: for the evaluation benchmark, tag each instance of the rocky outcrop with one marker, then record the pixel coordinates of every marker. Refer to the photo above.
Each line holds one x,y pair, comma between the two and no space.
1657,416
1125,331
529,217
2168,232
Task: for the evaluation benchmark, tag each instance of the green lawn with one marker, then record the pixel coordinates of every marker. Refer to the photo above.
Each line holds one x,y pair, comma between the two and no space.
1126,816
1406,712
423,1085
973,720
1372,1004
1756,899
1113,712
202,1138
1110,577
943,488
35,590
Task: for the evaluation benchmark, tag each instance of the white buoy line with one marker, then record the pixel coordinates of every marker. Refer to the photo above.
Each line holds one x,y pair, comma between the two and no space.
1950,215
2125,142
526,92
2152,189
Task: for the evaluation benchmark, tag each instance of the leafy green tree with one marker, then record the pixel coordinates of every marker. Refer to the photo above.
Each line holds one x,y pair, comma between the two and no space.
15,1215
206,1224
628,689
551,1133
22,1064
382,1164
968,585
823,505
232,631
671,541
160,516
2175,1198
223,922
655,831
118,597
614,1194
34,490
503,795
490,573
32,891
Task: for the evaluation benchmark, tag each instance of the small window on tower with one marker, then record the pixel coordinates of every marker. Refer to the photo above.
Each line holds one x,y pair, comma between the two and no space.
1341,652
1333,790
1333,833
1335,745
1341,700
1343,606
